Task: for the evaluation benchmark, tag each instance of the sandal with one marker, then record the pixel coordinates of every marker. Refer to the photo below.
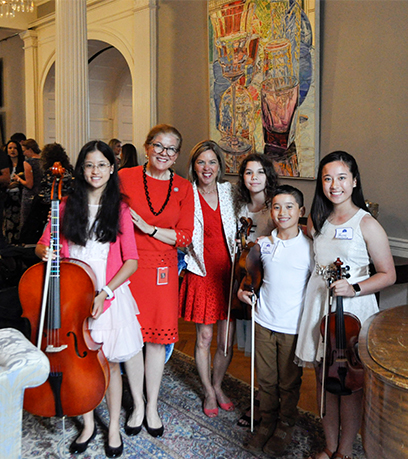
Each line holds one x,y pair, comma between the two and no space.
341,456
245,419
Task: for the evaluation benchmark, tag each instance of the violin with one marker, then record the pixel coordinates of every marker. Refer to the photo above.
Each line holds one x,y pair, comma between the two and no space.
341,372
58,314
241,310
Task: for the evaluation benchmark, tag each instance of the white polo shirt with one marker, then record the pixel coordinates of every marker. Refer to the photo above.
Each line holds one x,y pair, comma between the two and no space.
287,266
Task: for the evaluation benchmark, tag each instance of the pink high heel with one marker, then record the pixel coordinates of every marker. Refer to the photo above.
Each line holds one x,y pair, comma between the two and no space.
211,412
227,406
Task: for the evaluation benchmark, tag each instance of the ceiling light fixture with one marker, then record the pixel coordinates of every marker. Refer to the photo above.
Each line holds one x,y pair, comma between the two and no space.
9,8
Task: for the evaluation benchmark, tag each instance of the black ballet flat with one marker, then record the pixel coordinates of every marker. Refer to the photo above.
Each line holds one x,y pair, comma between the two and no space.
154,432
78,448
132,431
114,452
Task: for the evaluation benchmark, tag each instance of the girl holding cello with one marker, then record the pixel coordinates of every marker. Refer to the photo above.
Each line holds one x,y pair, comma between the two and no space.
341,228
96,227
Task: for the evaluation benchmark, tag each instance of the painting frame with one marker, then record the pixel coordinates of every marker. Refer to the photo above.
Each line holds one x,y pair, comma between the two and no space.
264,74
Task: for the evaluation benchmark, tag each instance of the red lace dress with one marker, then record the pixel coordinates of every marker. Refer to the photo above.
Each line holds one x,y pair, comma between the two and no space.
204,300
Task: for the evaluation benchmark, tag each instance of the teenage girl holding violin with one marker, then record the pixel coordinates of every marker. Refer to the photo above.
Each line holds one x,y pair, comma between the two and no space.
341,228
96,228
257,181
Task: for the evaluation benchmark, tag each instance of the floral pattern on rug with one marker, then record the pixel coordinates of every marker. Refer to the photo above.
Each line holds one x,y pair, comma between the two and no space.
188,434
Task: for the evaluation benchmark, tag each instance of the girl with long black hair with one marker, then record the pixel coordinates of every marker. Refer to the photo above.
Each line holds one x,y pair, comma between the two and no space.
97,228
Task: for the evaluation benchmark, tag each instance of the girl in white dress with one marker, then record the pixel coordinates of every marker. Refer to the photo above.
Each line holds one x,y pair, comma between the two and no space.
96,228
341,227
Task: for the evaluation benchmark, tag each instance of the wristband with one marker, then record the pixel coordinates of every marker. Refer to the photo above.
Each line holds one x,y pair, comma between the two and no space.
154,232
357,289
109,292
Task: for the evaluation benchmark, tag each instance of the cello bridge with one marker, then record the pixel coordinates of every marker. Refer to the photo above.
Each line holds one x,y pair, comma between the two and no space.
51,348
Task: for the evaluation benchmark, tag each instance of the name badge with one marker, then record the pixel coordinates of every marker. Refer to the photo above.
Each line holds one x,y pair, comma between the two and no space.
266,248
163,275
344,233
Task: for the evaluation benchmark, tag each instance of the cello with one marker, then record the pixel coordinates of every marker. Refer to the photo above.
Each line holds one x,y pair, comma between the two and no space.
79,374
341,372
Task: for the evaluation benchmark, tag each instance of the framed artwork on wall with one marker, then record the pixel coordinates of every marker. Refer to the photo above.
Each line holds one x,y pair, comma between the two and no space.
264,82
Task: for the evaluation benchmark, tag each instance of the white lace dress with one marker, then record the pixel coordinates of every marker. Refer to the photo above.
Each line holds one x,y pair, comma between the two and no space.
352,251
117,328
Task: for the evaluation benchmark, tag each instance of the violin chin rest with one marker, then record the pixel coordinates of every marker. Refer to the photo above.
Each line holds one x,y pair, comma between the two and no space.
335,387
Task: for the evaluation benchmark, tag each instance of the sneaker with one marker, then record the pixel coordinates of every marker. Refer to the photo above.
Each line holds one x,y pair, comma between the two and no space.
259,440
280,439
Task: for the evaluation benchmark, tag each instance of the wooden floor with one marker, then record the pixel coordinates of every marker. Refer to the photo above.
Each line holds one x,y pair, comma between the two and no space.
241,366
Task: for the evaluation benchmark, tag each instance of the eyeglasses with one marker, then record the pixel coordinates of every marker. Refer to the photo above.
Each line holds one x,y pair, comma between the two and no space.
88,167
158,148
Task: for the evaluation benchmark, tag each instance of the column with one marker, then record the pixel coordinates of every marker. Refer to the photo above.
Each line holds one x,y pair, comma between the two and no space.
31,70
71,76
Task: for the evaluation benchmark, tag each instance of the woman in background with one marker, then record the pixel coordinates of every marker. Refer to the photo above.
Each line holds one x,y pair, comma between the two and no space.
129,156
32,177
116,146
51,153
205,289
12,205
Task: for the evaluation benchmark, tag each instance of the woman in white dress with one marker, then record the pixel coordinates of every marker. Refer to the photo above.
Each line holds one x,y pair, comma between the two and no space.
96,227
341,228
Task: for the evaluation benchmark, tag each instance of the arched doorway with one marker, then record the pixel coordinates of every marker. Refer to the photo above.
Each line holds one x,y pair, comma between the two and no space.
110,95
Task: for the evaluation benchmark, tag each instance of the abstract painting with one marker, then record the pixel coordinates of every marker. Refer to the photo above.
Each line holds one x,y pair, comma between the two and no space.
264,82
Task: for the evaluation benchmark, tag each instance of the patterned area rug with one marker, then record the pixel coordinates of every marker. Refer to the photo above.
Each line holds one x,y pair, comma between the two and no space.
188,432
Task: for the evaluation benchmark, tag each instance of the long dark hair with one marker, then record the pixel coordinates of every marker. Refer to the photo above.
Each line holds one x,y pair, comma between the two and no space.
129,156
20,157
242,195
323,207
76,215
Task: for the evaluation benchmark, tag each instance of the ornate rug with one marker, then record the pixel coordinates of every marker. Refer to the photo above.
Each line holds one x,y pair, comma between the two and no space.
189,434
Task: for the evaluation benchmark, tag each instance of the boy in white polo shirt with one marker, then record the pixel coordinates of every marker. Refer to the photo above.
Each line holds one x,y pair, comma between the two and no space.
287,261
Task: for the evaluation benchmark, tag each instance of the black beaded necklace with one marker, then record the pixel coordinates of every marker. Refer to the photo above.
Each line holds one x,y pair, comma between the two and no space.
148,196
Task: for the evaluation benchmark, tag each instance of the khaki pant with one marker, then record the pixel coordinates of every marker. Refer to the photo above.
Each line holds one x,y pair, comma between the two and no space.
279,379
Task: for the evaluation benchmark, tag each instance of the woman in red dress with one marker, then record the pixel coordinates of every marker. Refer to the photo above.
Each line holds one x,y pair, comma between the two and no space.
162,210
205,289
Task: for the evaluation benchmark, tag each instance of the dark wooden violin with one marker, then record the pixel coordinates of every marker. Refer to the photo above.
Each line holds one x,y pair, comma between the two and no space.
57,297
341,372
241,310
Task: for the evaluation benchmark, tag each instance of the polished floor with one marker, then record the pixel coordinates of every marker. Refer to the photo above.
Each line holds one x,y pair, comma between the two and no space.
241,365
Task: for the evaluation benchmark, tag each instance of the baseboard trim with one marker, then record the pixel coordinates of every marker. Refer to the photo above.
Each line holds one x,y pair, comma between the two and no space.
399,247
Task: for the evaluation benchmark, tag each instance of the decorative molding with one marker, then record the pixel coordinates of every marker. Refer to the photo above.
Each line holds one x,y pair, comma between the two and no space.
399,247
153,62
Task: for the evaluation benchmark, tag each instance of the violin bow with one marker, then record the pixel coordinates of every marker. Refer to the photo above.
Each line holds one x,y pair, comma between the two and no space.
253,300
230,297
45,295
